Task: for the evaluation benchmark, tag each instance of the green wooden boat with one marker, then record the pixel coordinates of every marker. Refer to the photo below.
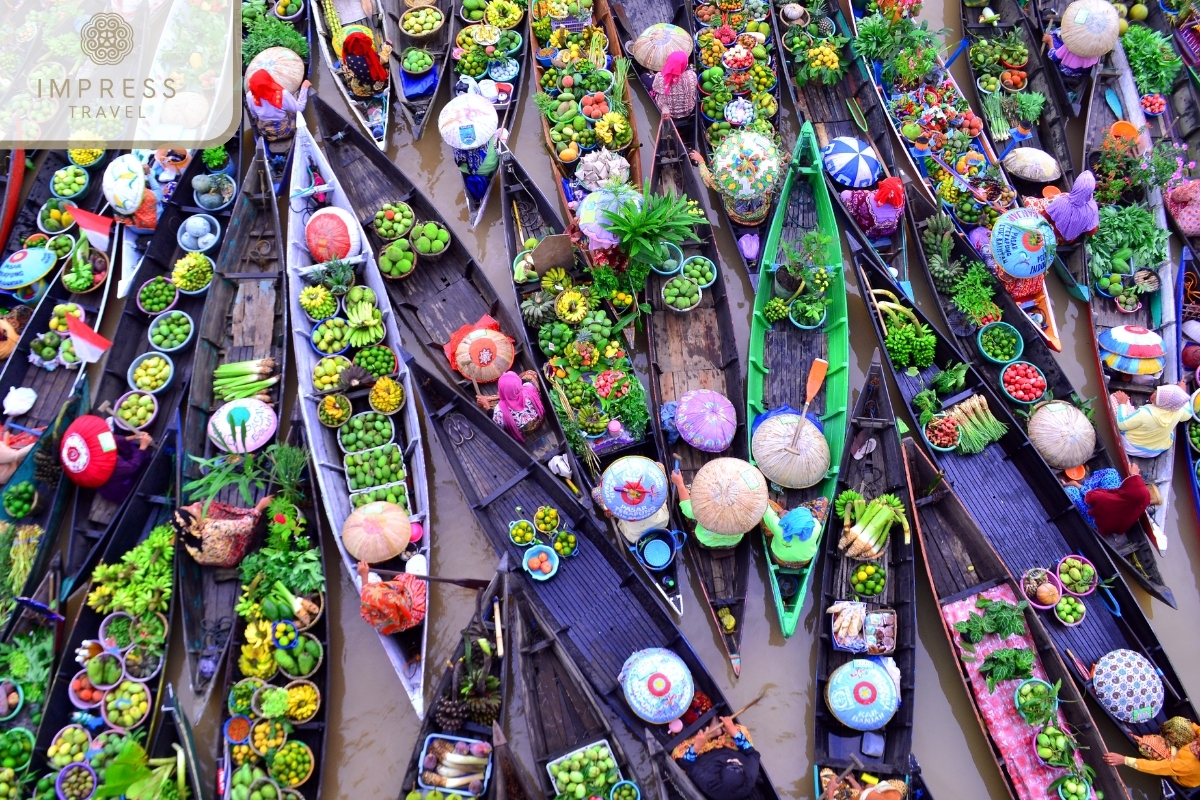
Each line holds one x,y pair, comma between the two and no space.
781,354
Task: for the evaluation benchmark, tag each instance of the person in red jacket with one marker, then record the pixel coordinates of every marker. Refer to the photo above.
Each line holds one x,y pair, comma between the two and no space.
1109,504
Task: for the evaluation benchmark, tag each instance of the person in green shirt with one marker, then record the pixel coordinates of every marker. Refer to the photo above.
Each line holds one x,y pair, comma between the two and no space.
709,538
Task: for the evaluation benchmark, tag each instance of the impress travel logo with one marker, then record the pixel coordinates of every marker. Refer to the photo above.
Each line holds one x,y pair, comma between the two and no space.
119,73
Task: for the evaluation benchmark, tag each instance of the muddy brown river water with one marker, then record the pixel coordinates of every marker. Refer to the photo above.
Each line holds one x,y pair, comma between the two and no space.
372,728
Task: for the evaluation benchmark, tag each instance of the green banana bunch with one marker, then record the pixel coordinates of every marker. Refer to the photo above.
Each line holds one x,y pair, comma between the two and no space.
365,322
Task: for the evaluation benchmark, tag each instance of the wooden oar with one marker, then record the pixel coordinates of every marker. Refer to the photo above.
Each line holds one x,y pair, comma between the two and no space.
466,583
717,725
816,377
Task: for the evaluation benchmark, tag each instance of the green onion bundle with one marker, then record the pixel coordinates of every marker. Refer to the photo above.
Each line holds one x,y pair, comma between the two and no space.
977,426
244,379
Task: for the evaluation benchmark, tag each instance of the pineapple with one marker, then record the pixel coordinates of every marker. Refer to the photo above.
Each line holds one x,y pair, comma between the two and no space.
825,27
449,712
571,307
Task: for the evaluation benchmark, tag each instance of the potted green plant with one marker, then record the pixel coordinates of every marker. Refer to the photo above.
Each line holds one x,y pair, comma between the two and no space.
809,309
650,234
797,263
216,159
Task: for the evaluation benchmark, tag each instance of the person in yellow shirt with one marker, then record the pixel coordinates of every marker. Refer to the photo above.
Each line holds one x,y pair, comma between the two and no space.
1183,766
1148,431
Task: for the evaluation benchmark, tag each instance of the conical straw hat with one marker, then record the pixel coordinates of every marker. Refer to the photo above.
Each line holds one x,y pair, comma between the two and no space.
1062,434
1090,28
729,496
794,459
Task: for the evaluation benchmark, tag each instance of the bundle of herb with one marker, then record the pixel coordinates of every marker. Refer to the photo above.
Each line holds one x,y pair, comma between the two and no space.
926,401
997,119
999,617
1127,227
952,379
243,471
287,467
973,295
977,426
1007,664
1152,59
268,32
287,557
1022,106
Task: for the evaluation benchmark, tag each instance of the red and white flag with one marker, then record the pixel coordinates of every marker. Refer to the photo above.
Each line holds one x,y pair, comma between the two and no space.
89,345
95,226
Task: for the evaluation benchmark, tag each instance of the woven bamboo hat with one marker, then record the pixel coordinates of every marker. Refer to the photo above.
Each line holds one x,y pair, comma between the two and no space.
1062,434
791,451
729,496
1090,28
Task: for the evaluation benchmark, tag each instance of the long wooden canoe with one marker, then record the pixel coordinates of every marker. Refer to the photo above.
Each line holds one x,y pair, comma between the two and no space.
314,184
871,465
528,214
1187,303
634,17
372,113
1132,549
962,565
600,609
492,622
1030,523
244,318
415,96
698,350
781,355
176,730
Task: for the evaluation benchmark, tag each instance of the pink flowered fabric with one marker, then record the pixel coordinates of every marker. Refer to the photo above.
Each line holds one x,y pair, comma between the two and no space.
1009,730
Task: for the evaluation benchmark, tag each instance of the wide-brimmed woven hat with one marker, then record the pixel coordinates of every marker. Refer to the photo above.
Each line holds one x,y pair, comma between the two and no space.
1090,28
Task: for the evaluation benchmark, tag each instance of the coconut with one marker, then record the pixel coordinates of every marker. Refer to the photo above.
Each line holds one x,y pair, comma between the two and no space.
1062,434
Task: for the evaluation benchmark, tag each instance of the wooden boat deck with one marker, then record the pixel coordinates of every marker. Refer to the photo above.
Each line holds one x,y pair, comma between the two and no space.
492,604
406,650
1134,548
528,214
1185,285
176,729
1030,523
600,625
1157,311
698,350
417,108
960,563
879,472
244,317
781,355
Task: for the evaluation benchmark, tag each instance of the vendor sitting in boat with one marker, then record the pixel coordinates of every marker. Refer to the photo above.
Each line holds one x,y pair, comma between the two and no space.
674,88
723,523
1148,431
274,108
1175,754
365,70
721,761
519,407
392,606
131,457
1109,504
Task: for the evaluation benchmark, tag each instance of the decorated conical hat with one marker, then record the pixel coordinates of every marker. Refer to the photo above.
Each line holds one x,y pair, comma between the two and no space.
851,162
658,686
706,420
1090,28
1023,243
468,122
633,488
285,67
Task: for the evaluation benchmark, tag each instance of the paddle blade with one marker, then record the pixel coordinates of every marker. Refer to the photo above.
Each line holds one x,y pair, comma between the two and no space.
816,377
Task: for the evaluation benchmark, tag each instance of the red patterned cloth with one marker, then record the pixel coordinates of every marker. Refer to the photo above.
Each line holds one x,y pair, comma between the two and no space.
1009,730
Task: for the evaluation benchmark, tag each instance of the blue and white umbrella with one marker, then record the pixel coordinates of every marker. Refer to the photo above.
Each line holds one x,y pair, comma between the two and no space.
851,162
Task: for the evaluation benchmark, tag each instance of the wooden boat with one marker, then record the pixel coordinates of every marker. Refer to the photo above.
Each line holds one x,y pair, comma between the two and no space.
697,350
313,732
39,620
962,565
1187,301
245,317
1071,93
633,18
151,505
509,776
1006,489
563,713
782,355
415,95
1157,310
871,465
372,113
492,622
176,730
143,257
570,191
1133,549
598,607
314,184
1050,134
529,215
443,294
849,107
279,153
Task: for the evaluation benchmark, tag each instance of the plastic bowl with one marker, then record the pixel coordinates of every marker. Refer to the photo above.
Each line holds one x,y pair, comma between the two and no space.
126,396
74,698
43,229
613,791
535,551
1061,621
87,182
23,733
1095,576
1012,330
225,729
145,716
289,624
934,446
214,227
676,254
154,324
1004,389
1017,692
20,703
1053,579
75,766
716,272
138,361
171,305
321,353
204,288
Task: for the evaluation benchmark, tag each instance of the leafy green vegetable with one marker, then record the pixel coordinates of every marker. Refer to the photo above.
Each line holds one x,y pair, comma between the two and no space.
999,617
270,32
973,294
951,380
1152,59
1005,664
1130,227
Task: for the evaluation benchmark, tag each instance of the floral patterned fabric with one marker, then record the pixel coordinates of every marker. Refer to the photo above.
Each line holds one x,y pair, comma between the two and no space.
1008,729
1184,204
396,605
1127,686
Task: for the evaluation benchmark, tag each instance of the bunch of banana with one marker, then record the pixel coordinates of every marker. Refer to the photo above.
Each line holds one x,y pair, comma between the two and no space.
255,659
365,322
